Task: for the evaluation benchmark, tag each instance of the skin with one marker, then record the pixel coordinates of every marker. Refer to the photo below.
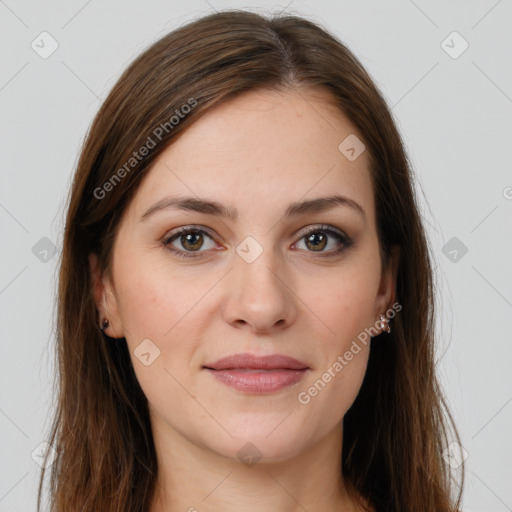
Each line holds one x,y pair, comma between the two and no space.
257,153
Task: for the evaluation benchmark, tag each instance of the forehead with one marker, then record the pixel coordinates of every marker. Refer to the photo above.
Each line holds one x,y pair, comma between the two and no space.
261,150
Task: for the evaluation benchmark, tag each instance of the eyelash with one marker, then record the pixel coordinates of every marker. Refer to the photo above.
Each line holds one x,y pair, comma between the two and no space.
343,239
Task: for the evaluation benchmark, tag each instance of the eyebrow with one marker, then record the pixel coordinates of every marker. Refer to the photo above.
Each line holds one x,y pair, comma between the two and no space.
199,205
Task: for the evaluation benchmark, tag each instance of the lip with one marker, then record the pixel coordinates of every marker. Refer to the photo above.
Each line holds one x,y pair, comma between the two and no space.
251,362
253,374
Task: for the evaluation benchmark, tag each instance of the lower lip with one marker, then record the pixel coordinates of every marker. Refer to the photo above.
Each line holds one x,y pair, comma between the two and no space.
258,381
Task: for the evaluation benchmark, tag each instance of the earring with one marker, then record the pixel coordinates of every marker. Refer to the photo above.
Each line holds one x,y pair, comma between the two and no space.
104,324
384,323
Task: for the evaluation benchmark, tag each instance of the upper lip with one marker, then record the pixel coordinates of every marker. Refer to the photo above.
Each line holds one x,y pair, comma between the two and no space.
249,361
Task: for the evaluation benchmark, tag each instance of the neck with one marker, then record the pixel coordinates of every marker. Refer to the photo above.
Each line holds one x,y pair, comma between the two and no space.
195,479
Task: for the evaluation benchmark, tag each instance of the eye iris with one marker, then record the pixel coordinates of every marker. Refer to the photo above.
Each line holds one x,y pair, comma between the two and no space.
319,241
187,241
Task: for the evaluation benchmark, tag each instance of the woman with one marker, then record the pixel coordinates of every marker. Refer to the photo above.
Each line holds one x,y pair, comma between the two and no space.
246,296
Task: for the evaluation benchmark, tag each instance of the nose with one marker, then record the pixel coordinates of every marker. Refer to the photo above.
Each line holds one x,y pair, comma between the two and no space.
259,295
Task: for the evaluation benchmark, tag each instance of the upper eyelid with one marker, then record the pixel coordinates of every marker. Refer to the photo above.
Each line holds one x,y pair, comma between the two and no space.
190,228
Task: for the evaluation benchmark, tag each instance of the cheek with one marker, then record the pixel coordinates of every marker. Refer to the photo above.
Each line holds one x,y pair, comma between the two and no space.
155,301
162,307
344,300
157,309
330,392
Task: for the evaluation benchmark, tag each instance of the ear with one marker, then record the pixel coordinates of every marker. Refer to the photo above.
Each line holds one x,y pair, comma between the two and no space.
105,300
387,287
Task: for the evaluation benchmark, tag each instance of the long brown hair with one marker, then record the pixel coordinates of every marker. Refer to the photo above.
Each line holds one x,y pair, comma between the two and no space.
398,426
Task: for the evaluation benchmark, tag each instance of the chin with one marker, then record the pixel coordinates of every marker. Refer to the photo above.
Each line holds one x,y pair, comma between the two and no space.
259,447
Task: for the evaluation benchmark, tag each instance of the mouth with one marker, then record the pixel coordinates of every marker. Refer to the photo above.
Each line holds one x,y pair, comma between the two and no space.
253,374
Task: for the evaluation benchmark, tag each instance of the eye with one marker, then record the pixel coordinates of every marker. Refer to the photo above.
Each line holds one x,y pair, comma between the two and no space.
318,238
191,240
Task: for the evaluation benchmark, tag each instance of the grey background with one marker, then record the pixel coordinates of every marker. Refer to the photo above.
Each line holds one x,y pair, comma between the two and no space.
454,113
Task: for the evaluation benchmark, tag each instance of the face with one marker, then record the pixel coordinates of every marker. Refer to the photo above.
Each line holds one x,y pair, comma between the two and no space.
250,275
